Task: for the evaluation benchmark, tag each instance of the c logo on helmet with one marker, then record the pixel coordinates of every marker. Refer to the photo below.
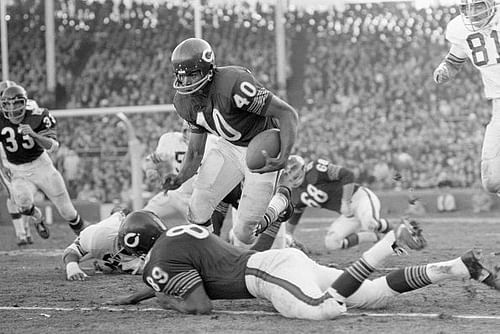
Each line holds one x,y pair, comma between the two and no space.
207,55
131,240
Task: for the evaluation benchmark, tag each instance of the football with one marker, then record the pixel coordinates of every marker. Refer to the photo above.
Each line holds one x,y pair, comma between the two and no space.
268,141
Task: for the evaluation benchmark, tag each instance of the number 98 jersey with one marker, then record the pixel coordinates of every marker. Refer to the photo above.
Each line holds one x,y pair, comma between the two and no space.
21,149
188,255
322,186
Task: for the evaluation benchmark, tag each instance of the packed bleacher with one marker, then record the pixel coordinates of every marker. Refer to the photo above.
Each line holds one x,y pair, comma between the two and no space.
362,83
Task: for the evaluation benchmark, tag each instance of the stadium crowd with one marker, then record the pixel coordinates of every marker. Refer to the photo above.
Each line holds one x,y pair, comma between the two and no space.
362,82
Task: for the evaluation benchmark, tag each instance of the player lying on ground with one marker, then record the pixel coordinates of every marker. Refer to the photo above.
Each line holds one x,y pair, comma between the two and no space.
187,267
27,136
101,242
321,184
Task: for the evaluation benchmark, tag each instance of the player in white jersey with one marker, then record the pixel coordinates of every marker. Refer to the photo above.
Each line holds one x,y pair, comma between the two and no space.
474,34
167,158
99,242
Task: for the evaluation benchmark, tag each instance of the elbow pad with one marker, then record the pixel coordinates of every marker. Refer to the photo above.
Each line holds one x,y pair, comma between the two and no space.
54,146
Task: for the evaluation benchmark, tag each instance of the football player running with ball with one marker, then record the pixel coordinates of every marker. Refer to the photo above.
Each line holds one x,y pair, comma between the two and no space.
231,104
188,267
27,133
475,34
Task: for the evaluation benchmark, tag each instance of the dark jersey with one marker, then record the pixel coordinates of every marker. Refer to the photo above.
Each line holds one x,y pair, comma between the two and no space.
232,106
233,198
322,186
21,149
188,255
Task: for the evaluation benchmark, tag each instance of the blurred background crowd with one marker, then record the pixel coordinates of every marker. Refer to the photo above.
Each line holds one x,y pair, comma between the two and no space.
360,78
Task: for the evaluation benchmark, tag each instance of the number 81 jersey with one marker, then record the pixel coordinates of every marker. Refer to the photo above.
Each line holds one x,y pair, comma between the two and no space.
482,48
19,148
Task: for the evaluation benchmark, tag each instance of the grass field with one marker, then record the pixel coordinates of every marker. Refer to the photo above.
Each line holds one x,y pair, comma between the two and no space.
36,298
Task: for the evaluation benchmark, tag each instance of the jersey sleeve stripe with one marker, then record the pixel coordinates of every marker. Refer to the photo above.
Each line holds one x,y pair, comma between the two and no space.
454,59
181,284
259,102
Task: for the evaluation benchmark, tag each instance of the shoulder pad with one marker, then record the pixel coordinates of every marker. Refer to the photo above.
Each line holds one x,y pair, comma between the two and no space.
333,171
456,32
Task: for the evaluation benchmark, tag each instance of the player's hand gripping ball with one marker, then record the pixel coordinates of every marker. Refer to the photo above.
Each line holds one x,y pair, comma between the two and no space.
268,141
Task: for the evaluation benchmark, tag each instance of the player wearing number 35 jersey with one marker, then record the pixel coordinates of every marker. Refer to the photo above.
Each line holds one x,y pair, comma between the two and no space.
231,104
475,34
27,133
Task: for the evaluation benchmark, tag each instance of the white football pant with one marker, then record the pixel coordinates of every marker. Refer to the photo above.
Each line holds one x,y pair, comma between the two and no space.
41,174
298,287
223,168
490,156
366,208
173,203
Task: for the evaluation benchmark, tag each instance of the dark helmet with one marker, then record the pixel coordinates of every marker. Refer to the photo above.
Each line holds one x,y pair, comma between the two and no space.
190,56
139,231
13,102
6,84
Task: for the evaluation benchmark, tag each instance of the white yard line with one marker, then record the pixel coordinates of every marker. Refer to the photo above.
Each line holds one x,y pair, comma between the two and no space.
252,313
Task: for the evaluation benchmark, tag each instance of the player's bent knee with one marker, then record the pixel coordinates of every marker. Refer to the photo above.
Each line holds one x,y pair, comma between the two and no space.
333,241
244,234
490,185
200,210
490,175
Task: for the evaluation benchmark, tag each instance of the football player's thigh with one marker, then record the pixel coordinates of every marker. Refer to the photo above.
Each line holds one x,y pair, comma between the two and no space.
291,281
255,197
371,294
217,176
342,227
22,192
52,184
163,205
490,157
366,208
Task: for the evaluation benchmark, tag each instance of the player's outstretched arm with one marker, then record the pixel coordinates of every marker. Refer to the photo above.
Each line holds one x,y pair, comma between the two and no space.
71,258
132,299
197,302
190,164
450,66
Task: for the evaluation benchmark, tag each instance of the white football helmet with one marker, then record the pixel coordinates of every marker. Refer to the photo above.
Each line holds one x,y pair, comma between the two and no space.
477,14
295,171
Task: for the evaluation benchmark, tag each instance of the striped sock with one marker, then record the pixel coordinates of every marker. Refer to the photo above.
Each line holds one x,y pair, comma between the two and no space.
383,226
350,241
352,278
408,279
76,223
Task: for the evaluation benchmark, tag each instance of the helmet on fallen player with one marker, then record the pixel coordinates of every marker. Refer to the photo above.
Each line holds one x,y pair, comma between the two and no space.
192,57
139,231
6,84
13,102
295,170
477,14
